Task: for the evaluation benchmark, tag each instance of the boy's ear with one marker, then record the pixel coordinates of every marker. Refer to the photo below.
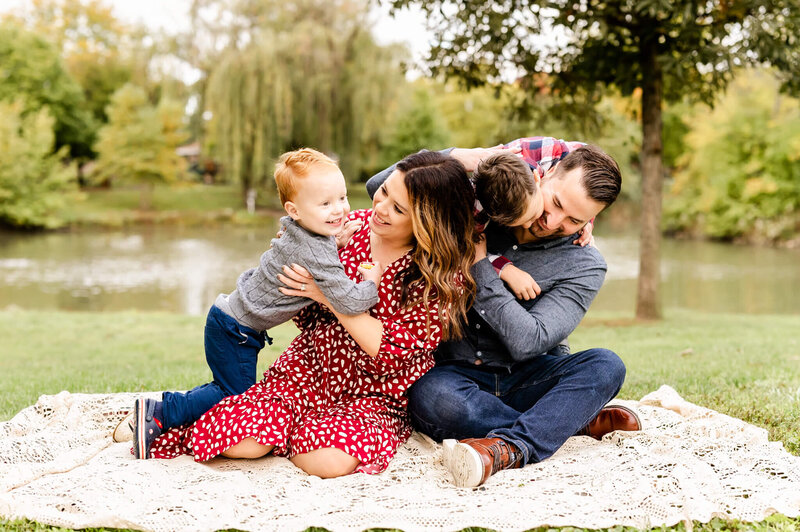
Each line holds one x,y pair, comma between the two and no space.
537,177
291,210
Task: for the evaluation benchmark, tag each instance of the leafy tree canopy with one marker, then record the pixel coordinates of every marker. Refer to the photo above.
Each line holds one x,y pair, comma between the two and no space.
310,75
34,183
741,179
30,68
138,144
698,43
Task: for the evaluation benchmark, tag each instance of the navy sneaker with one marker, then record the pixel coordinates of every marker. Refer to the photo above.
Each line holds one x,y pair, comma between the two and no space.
146,426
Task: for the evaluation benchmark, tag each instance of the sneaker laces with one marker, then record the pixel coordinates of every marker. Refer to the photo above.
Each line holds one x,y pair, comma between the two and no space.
497,449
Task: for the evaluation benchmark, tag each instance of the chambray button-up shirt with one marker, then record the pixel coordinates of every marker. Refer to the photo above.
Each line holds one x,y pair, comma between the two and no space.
503,330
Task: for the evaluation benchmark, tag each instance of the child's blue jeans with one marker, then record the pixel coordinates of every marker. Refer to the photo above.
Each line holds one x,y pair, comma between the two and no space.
232,354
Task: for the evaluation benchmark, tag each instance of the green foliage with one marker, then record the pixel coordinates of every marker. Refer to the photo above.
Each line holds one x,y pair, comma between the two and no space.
667,49
94,44
138,144
741,177
614,126
417,124
309,76
473,117
34,183
697,43
31,68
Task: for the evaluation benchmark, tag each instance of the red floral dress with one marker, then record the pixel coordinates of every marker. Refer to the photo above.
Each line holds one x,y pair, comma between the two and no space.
324,390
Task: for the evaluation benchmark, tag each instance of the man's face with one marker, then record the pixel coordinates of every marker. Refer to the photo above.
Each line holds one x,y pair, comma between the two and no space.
567,207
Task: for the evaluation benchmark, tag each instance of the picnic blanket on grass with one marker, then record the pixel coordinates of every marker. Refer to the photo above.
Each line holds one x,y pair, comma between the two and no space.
59,466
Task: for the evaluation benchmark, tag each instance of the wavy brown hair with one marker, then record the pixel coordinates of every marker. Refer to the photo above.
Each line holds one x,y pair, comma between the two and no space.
442,219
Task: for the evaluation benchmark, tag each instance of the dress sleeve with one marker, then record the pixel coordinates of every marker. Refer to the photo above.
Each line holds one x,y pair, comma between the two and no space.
408,338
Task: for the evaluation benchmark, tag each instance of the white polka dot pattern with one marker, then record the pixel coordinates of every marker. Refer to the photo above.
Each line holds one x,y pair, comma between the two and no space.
324,390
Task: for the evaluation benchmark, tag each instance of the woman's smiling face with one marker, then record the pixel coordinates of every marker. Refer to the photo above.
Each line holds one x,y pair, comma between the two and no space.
391,216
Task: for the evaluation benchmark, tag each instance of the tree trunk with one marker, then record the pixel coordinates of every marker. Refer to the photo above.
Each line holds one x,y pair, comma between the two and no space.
146,196
648,304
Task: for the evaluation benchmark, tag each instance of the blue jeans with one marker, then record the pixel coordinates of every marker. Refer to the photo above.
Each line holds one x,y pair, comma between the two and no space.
536,406
232,354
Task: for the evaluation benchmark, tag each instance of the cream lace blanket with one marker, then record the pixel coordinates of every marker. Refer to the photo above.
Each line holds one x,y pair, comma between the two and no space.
58,465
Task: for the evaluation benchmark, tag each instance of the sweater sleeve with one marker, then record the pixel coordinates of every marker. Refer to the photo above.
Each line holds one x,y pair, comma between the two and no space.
553,316
344,294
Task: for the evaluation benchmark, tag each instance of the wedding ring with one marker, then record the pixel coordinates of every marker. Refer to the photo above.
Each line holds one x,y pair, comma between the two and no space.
303,287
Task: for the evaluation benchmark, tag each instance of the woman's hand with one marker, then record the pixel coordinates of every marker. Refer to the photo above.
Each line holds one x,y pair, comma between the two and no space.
365,330
520,283
300,283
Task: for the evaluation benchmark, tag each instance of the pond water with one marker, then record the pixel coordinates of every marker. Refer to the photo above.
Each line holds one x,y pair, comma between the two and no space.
181,269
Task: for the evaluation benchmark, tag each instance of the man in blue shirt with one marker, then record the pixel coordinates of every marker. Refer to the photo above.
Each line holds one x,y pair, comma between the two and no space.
506,390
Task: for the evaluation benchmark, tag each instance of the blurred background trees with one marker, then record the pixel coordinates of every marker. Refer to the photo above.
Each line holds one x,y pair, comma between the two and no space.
33,181
310,74
254,78
139,142
665,51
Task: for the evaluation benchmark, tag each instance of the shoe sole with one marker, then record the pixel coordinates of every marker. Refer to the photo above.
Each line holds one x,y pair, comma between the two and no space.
464,463
447,452
124,429
140,451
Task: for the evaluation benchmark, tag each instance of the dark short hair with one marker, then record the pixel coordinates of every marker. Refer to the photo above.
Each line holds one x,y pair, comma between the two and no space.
601,178
503,185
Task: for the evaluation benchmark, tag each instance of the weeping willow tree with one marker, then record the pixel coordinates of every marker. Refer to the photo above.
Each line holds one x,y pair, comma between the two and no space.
312,77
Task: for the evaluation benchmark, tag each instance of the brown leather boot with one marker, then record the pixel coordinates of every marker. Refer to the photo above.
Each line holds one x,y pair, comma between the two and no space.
473,460
611,418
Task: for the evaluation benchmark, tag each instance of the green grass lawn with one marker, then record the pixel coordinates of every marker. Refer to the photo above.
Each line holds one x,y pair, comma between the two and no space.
178,203
745,366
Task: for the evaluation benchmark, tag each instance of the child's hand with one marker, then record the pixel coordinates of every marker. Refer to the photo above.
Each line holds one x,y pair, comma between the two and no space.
371,271
521,283
277,235
586,238
347,232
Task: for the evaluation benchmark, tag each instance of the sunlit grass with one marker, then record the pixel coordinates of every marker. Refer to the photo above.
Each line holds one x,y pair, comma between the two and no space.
744,366
179,203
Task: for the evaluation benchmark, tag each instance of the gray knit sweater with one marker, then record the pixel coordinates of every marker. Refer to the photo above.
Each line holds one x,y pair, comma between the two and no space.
257,303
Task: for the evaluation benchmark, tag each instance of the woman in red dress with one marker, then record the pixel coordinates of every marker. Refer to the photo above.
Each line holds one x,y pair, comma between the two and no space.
334,402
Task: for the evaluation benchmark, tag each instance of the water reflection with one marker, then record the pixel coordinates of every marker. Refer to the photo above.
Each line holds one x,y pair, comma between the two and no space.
705,276
183,269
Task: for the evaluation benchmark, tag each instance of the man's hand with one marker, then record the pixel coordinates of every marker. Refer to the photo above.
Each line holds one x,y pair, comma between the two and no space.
471,158
480,249
586,238
520,283
347,232
371,271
